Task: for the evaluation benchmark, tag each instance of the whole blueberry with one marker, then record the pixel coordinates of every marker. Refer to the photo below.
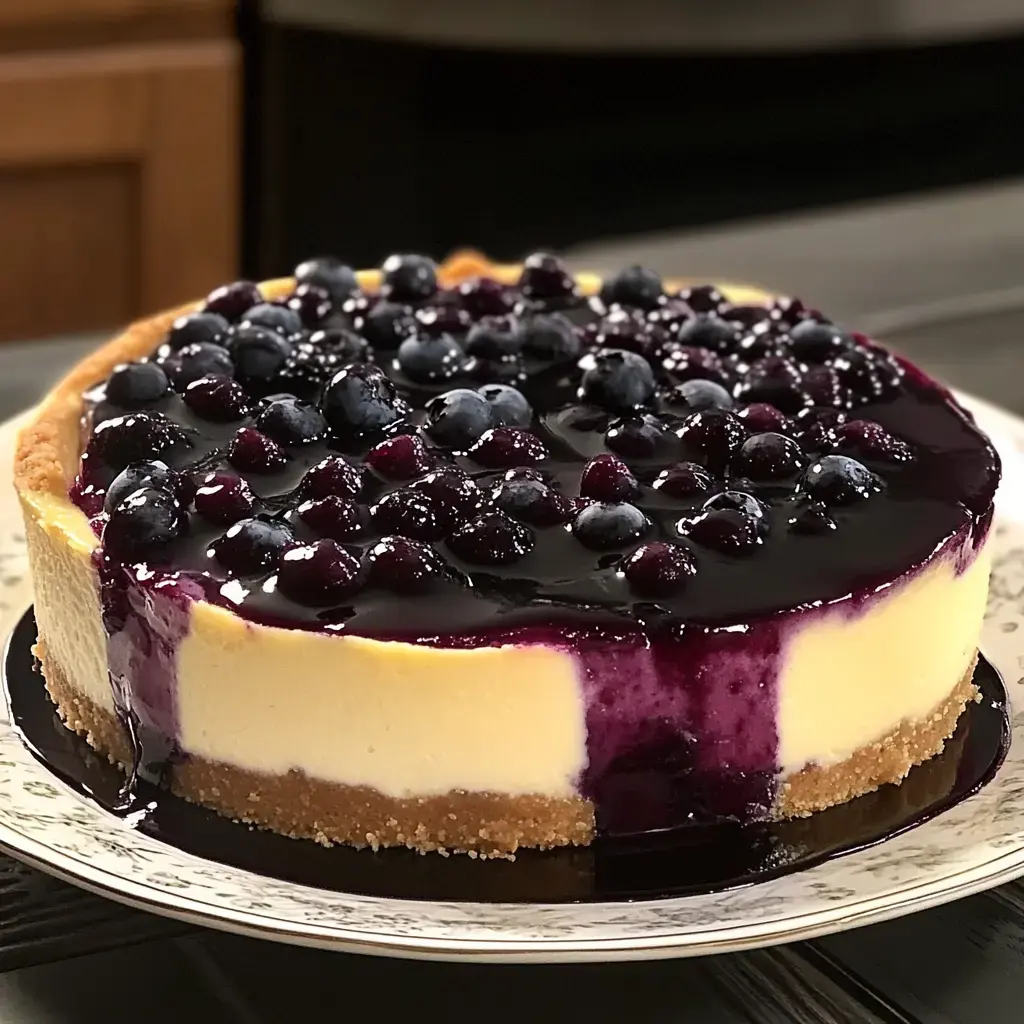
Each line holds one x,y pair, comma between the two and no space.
346,345
203,359
453,487
870,375
509,406
871,440
143,523
727,530
607,525
814,342
136,385
311,304
658,569
738,501
699,395
775,381
633,286
631,331
507,446
494,339
427,360
224,498
545,276
408,278
232,300
399,458
321,573
607,478
618,380
683,480
328,272
253,452
387,325
136,437
154,475
193,328
711,437
839,480
636,437
458,418
360,399
811,519
483,296
289,421
549,336
769,456
259,354
333,475
445,318
532,500
703,298
491,539
403,565
339,518
761,418
823,387
411,513
710,332
216,399
685,363
252,547
274,317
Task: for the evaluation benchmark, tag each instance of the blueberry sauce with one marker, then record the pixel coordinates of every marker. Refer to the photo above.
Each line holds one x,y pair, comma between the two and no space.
490,461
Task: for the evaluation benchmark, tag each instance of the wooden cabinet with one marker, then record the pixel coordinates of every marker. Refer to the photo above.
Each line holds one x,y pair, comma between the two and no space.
118,161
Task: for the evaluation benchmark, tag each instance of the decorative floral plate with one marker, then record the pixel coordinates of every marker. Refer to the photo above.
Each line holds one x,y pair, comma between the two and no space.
977,844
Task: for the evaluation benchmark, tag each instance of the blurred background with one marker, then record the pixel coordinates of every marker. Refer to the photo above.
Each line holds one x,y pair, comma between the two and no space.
865,153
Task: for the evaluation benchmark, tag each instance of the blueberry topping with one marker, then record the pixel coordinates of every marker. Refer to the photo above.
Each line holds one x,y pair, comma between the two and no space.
453,487
118,442
253,452
769,456
336,278
545,277
633,286
491,539
429,360
387,325
775,381
321,573
839,480
252,547
813,342
711,437
534,501
607,525
194,328
311,304
699,395
408,278
259,354
823,387
710,332
231,301
684,480
618,380
871,375
726,530
811,519
332,516
217,399
483,296
399,458
203,359
549,336
289,421
154,475
820,431
346,346
403,565
509,406
703,298
738,501
136,385
685,362
333,476
412,514
749,318
628,330
761,418
607,478
636,437
361,400
508,446
142,524
447,318
658,569
458,418
274,317
871,441
224,499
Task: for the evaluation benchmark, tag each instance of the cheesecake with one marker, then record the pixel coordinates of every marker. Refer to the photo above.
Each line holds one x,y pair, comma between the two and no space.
480,557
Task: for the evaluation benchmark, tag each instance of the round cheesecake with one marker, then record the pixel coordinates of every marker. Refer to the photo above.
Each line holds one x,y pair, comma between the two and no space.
478,557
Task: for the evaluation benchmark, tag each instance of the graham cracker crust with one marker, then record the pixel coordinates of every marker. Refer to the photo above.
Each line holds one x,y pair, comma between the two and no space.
478,824
887,761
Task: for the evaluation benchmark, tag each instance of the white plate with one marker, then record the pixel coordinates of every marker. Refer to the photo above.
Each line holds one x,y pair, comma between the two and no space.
978,844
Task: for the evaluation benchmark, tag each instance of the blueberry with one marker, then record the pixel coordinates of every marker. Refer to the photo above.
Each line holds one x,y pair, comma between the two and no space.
545,276
455,489
726,530
710,332
509,406
194,328
360,399
637,437
321,573
483,296
699,395
872,441
252,547
217,399
117,443
684,480
738,501
628,330
431,360
136,385
775,381
769,456
684,363
328,272
259,354
533,501
658,569
811,519
703,298
756,345
671,316
332,516
633,286
823,386
403,565
414,514
311,304
761,418
253,452
458,418
203,359
332,476
387,325
408,278
224,498
154,475
618,380
232,300
711,437
494,339
607,525
507,446
346,345
839,480
549,336
289,421
144,522
399,458
814,342
870,375
790,311
277,318
492,539
749,318
608,478
820,429
445,318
